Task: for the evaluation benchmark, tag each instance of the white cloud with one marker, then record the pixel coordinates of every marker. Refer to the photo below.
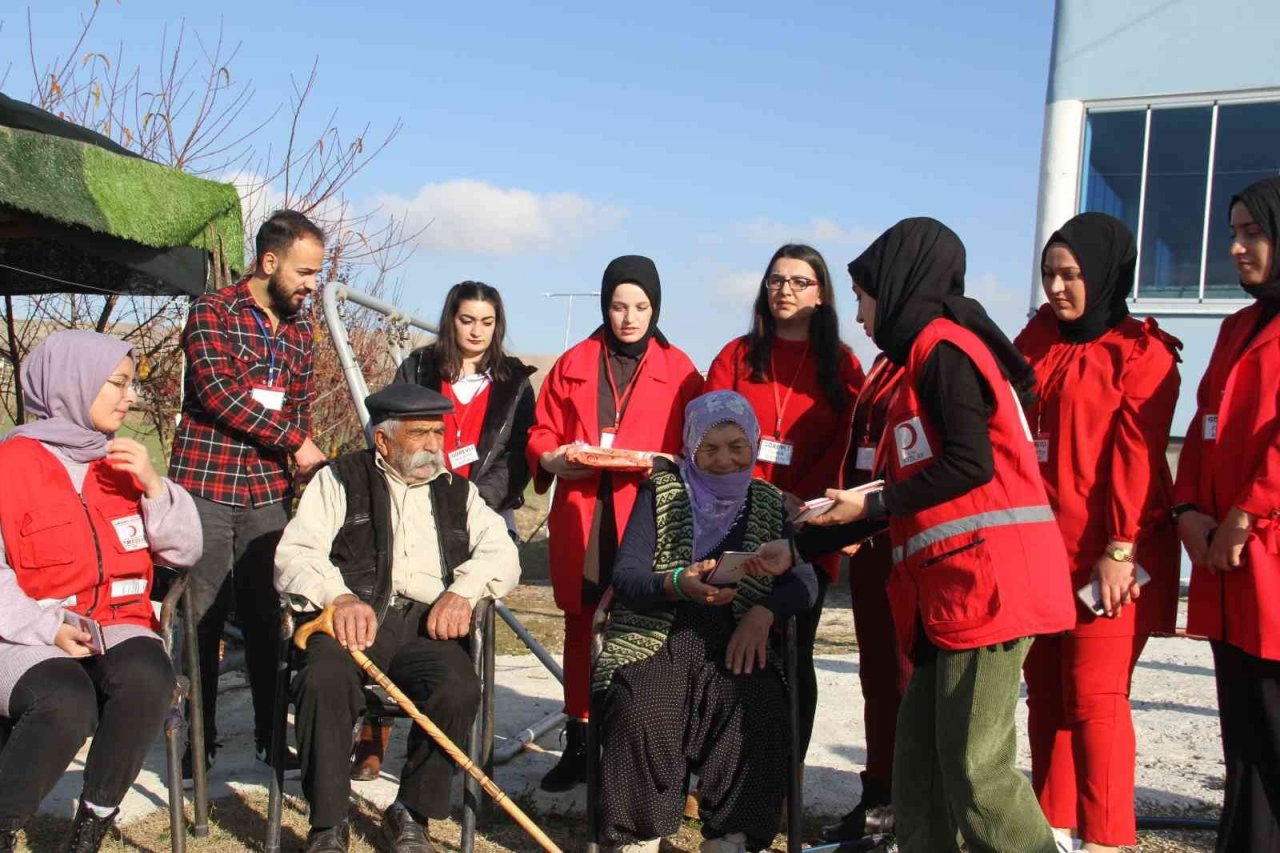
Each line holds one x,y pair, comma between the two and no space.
820,231
739,286
468,216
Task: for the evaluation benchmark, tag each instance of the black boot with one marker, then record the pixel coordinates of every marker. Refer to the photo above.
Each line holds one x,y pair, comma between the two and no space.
873,809
88,830
572,769
8,840
335,839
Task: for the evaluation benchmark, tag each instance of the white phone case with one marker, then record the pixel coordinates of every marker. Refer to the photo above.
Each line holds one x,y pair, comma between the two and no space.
1091,593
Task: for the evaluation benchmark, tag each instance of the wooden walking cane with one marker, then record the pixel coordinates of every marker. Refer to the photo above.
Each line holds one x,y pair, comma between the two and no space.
324,624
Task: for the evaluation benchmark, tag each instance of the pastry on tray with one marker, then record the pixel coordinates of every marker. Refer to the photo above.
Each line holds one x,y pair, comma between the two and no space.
609,458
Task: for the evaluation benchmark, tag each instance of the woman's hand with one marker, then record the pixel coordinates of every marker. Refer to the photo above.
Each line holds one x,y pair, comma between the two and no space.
850,505
694,588
1119,582
1194,528
749,646
1225,554
554,462
125,454
73,641
772,558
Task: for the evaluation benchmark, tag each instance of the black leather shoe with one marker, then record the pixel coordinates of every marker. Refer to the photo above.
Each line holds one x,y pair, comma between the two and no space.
403,834
8,840
87,831
335,839
872,814
571,770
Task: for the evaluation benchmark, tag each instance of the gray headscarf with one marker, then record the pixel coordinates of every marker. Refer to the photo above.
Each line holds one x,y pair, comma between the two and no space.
61,378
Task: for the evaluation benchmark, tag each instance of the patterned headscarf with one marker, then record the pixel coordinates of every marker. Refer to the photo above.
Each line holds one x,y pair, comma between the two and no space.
716,498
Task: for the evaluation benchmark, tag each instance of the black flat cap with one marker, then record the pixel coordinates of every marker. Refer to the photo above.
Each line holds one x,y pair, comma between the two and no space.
406,400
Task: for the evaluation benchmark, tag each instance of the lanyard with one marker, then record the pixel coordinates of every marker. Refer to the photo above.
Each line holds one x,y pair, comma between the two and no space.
272,346
620,402
878,391
780,406
460,417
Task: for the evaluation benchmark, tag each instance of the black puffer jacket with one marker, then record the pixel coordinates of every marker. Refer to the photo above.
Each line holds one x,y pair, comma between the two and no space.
502,471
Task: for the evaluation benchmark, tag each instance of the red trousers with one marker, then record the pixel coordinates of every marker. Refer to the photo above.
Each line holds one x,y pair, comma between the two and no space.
882,667
577,664
1081,732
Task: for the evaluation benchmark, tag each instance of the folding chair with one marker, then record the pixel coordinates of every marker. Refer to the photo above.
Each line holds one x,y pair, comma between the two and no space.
784,638
480,741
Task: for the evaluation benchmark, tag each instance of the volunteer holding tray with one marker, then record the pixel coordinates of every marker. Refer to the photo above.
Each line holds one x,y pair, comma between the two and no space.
1107,386
83,514
623,387
802,382
687,671
979,564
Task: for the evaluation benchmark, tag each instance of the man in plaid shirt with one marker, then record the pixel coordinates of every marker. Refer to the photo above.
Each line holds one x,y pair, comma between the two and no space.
246,410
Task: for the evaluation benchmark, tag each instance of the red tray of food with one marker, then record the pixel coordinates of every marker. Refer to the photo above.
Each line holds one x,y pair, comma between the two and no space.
610,458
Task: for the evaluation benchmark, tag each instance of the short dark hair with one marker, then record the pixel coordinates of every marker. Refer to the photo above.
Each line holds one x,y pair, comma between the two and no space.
282,229
448,356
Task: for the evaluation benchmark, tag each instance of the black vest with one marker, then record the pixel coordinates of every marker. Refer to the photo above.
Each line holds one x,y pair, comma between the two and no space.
362,548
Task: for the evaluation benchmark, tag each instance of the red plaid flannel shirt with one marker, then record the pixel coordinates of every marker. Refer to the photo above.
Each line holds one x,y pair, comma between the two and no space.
229,448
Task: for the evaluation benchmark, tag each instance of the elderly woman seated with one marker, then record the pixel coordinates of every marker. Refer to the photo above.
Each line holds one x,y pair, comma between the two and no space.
690,680
83,517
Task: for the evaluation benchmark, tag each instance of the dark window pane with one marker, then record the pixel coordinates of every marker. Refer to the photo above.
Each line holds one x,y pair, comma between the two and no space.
1113,165
1173,222
1248,150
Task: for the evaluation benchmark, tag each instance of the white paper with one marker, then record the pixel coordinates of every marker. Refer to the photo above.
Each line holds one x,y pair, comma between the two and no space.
729,568
777,452
1042,449
463,456
606,438
866,458
271,399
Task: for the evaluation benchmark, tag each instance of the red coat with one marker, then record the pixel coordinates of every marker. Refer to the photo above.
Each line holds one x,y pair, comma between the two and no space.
1240,468
816,430
92,555
988,566
1105,410
567,412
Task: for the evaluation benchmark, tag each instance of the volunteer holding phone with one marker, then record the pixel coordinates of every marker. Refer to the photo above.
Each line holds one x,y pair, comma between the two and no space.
801,382
979,564
625,386
82,516
1228,510
1107,386
688,673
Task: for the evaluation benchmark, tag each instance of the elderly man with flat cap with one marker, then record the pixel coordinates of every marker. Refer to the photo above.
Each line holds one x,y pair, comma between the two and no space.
403,550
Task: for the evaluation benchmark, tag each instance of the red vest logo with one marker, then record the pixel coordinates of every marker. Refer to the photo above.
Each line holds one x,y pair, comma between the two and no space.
913,444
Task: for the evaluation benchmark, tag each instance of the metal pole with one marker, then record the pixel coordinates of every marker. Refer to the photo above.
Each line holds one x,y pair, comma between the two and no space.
568,314
529,640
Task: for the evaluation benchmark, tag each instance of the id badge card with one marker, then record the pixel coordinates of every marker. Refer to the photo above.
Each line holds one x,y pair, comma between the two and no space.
865,459
1210,427
269,397
463,456
132,535
775,450
607,435
1042,448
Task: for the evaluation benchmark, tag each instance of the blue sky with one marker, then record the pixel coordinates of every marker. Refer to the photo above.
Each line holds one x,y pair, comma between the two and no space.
542,140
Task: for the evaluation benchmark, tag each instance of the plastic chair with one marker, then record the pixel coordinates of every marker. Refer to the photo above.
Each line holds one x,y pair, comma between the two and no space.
480,741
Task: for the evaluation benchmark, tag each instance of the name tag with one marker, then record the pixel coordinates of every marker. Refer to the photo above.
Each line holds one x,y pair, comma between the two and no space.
777,452
912,443
269,397
463,456
1210,427
607,436
1042,450
132,535
128,588
865,459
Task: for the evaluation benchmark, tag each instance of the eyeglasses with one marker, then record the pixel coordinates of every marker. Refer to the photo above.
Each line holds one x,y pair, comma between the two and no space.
126,386
799,284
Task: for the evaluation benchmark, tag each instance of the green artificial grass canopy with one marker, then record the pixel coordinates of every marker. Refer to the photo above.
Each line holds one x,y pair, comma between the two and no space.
77,184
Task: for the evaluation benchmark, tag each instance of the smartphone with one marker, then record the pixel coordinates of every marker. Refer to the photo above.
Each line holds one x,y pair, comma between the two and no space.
728,570
89,626
1091,593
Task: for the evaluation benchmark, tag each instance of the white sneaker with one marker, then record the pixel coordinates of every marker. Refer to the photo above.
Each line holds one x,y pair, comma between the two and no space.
733,842
650,846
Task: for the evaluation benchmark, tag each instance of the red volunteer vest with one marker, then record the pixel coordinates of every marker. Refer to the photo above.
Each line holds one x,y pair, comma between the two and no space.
87,551
988,566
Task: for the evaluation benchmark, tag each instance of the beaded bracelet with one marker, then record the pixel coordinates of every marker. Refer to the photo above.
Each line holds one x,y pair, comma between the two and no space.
675,582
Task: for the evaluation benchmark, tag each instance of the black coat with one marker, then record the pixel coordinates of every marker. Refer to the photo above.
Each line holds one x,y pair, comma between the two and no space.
502,472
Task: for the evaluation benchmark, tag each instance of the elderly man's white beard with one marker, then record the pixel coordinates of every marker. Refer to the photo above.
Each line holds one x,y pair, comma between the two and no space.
417,467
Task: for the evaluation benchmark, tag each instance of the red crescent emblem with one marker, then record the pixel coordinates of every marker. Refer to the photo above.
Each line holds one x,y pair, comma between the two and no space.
907,437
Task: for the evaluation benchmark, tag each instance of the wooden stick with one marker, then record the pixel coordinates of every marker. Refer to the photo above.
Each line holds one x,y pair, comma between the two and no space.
324,624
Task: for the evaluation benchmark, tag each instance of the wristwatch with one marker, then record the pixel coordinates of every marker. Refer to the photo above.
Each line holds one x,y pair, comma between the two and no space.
1120,555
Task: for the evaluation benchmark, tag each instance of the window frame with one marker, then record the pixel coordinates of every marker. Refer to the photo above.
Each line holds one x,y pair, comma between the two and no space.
1199,306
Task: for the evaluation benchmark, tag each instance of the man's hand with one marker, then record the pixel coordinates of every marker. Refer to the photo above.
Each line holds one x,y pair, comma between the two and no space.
73,641
1226,553
1194,528
449,617
1119,582
354,623
850,505
749,646
125,454
772,558
308,457
554,462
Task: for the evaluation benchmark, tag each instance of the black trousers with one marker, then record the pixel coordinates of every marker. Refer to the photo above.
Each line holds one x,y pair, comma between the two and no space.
238,567
328,697
1249,710
806,635
120,697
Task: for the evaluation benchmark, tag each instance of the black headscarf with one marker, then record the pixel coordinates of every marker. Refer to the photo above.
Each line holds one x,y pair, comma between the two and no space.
643,273
915,272
1262,198
1107,256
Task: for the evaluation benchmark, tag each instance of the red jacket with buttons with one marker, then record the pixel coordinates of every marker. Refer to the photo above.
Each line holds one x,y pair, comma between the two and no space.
986,567
85,550
1239,466
1103,418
